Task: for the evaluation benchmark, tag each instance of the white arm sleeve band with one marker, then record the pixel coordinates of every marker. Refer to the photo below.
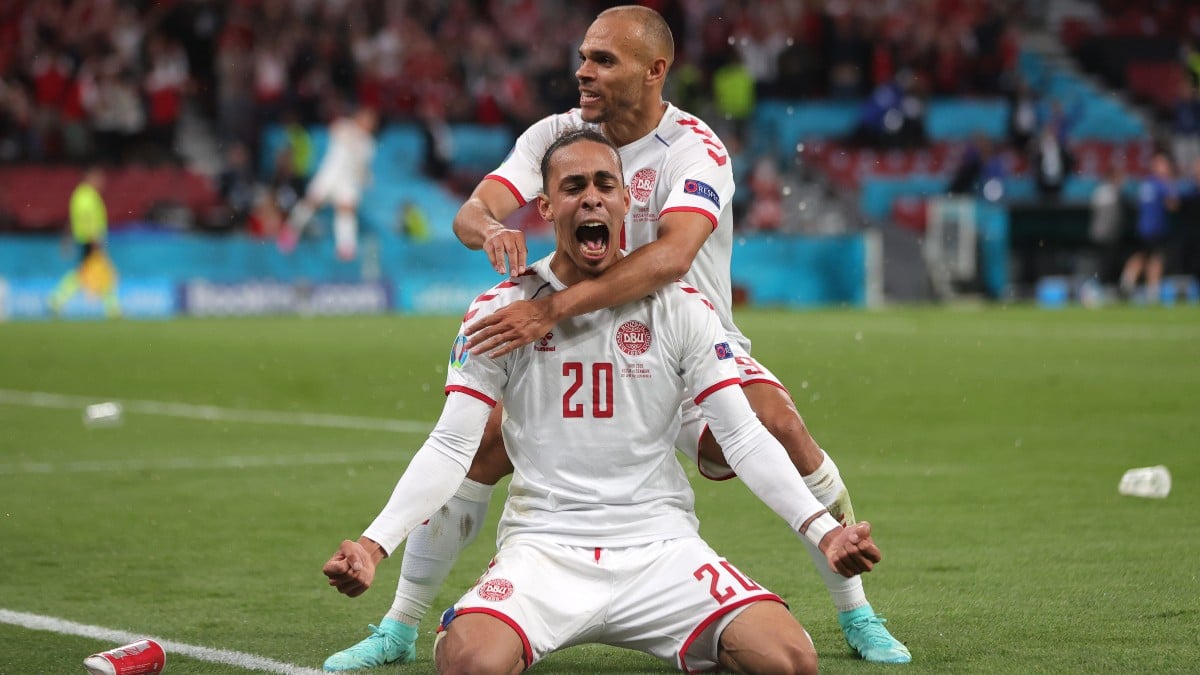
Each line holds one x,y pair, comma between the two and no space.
758,458
435,472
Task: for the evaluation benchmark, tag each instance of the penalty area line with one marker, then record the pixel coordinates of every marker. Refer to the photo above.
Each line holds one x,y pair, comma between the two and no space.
121,637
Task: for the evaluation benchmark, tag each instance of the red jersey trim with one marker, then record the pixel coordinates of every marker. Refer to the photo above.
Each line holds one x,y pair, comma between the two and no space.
690,209
451,388
773,383
720,385
528,656
687,644
511,188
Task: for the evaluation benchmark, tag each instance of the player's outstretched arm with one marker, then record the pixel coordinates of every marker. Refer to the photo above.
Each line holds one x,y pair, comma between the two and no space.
432,477
477,225
763,465
351,569
638,274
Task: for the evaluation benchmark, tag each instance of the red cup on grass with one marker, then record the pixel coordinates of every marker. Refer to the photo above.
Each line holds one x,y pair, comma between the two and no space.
135,658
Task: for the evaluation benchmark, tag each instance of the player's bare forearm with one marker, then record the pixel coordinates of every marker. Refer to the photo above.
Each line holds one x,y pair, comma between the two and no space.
478,226
473,223
640,273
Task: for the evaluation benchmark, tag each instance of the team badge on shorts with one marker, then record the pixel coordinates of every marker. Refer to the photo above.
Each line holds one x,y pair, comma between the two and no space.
642,184
633,337
495,590
459,353
723,351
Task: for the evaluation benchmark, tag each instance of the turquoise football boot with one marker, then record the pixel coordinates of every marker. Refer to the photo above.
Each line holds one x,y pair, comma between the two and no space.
389,642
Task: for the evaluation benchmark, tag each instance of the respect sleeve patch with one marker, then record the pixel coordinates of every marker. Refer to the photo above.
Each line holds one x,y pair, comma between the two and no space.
697,187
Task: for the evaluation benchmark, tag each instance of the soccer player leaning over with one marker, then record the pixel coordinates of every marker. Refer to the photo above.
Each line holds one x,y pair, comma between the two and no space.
600,510
679,226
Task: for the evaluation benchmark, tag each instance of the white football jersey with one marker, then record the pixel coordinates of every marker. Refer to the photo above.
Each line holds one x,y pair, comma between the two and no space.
349,154
680,166
593,411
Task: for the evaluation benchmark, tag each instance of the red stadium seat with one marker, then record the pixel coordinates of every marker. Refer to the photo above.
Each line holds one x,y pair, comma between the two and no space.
1157,82
36,197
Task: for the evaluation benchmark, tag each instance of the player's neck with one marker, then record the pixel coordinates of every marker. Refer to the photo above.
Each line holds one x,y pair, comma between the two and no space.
635,124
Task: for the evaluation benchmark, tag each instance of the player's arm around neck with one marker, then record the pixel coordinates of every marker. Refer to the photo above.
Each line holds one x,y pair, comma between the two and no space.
640,273
647,269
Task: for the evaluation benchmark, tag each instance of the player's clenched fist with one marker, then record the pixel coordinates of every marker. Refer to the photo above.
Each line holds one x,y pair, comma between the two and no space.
351,570
850,550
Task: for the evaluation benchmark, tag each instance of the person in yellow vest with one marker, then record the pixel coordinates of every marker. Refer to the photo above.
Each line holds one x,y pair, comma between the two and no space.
89,228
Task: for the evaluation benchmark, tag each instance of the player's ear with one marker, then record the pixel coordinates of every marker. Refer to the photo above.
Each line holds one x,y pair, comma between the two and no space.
546,211
657,71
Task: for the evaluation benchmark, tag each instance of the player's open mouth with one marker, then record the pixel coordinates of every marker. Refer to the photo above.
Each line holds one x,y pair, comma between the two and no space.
586,97
593,240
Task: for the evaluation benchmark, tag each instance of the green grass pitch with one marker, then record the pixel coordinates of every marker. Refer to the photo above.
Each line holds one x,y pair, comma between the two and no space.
985,445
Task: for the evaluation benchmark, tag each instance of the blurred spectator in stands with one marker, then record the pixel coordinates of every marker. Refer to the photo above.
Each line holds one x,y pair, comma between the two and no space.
798,70
981,171
1023,116
894,115
76,127
759,39
93,270
1189,223
1107,225
16,120
1190,56
270,65
238,189
1156,197
765,209
116,112
235,79
1051,161
439,140
291,167
687,88
340,180
1064,119
846,52
127,33
164,85
734,94
51,72
412,223
1185,131
995,47
298,144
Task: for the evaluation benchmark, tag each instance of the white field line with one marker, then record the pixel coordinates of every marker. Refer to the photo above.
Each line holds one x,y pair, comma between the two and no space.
1039,330
120,637
192,464
38,399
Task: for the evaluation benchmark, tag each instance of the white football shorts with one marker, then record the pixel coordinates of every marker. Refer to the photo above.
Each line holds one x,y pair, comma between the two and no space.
694,424
327,186
671,599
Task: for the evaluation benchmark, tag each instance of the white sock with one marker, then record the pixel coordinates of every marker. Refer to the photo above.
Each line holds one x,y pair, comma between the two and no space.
345,230
827,486
432,548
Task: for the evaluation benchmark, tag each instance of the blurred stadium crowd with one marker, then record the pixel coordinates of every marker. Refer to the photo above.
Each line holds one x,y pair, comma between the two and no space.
842,113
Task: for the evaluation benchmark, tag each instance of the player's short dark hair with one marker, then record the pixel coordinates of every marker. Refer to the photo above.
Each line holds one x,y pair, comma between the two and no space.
571,137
